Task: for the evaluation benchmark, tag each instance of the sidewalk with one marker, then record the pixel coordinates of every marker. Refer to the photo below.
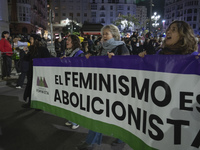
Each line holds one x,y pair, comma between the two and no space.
13,78
30,129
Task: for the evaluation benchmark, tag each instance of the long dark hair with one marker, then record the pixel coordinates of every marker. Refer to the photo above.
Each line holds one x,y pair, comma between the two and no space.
75,42
35,47
4,32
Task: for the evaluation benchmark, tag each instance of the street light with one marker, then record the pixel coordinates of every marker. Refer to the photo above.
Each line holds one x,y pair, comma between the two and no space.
155,18
124,23
163,21
67,21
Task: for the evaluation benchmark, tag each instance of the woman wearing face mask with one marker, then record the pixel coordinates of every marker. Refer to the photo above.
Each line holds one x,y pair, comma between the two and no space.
179,40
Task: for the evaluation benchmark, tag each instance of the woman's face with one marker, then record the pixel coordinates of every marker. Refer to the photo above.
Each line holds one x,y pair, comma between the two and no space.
31,40
107,35
69,43
6,36
172,36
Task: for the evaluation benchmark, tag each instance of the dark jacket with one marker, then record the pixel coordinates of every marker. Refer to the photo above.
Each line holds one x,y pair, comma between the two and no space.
121,50
42,52
57,46
24,64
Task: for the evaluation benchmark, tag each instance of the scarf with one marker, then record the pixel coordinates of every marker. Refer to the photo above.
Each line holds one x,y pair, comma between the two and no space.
74,52
109,45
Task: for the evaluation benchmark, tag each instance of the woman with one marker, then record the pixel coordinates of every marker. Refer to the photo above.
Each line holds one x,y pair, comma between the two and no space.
111,46
179,39
34,51
111,41
6,52
73,44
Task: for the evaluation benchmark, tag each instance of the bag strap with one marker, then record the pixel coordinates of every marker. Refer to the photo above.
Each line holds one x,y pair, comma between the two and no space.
78,53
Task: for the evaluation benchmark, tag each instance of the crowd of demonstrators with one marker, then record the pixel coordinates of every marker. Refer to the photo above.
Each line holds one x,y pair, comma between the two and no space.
6,53
36,50
179,39
11,52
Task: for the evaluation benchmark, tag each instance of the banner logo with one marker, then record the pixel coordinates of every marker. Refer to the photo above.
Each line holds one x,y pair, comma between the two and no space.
41,82
42,86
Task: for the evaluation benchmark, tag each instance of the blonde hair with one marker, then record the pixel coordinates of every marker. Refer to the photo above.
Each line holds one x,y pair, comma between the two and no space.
187,43
114,31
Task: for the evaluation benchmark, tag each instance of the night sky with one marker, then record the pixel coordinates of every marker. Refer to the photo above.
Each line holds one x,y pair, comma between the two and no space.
158,7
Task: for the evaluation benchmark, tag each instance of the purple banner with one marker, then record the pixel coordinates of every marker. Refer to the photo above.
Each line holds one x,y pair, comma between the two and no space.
183,64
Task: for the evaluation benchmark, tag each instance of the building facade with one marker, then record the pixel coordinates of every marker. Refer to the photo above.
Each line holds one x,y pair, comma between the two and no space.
185,10
89,11
106,11
4,24
141,15
27,16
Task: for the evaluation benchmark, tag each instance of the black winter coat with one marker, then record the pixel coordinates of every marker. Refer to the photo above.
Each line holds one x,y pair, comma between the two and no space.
121,50
42,52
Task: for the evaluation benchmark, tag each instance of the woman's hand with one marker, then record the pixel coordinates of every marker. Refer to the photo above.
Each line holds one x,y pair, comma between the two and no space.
110,55
88,55
62,56
142,54
197,56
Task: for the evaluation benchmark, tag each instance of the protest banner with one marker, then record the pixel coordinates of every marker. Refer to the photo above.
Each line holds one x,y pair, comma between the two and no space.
149,103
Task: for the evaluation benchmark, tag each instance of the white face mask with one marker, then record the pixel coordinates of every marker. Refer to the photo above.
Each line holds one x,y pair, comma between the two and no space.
137,44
